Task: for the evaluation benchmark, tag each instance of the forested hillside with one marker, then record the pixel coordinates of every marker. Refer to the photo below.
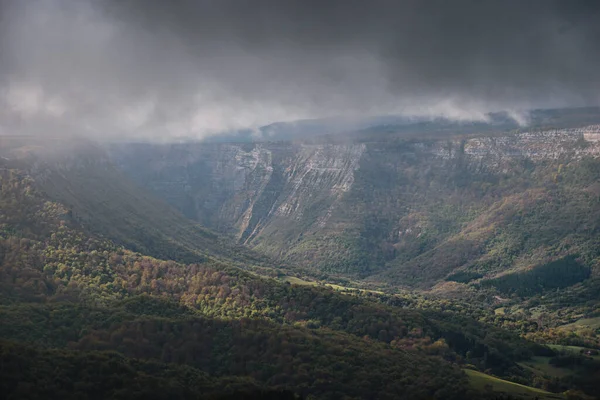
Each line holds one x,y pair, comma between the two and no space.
64,288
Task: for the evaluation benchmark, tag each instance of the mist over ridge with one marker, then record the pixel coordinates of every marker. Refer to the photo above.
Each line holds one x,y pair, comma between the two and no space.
155,70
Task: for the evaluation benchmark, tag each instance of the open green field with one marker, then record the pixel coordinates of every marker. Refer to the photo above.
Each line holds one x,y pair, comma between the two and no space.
571,349
541,366
593,323
346,288
297,281
483,382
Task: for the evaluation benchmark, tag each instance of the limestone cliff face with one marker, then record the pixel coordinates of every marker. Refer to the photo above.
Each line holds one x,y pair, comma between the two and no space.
347,207
241,189
325,171
497,151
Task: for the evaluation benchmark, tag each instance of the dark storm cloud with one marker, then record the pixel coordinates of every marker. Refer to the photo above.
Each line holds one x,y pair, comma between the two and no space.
155,68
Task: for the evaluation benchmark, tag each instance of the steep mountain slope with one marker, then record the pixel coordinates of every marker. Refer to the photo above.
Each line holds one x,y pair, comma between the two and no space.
78,174
399,211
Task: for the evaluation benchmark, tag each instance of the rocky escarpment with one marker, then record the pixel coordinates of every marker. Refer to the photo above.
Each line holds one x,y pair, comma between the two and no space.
356,208
552,144
241,189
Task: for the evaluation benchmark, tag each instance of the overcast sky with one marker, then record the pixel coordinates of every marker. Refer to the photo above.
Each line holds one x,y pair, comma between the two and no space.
184,68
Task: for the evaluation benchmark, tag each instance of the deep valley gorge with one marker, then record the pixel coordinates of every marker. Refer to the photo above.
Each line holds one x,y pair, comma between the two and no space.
391,211
299,200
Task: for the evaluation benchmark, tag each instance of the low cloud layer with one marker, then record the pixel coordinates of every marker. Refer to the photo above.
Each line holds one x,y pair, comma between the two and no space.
159,69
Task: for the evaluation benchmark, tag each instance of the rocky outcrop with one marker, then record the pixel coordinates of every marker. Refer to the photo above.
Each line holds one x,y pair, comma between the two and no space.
551,144
319,168
240,189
